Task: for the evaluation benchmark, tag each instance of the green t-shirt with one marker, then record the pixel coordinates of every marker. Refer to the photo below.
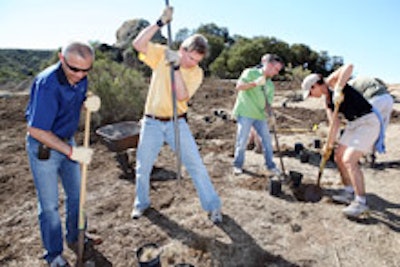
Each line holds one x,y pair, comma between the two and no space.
251,103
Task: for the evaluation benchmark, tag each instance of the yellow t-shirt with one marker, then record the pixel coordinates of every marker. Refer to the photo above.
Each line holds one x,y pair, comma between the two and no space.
159,98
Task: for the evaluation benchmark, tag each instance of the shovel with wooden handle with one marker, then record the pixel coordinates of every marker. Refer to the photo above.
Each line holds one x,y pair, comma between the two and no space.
82,198
329,148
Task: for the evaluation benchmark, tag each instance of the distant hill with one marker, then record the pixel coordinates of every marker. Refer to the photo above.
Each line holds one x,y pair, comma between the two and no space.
19,66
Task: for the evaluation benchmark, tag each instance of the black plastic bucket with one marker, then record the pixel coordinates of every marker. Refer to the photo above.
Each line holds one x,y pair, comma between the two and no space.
148,255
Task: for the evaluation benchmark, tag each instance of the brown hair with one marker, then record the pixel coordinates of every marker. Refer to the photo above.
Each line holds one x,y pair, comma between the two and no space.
196,42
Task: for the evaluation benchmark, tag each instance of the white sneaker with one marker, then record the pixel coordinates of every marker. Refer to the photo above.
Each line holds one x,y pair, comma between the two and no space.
343,197
216,216
237,170
356,209
275,171
59,261
136,213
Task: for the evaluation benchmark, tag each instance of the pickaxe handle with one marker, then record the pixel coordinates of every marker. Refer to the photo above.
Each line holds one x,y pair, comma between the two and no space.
174,106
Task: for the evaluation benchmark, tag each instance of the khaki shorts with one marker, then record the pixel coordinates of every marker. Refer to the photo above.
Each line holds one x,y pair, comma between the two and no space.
362,133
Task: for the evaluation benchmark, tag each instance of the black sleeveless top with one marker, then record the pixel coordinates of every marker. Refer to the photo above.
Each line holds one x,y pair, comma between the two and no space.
354,105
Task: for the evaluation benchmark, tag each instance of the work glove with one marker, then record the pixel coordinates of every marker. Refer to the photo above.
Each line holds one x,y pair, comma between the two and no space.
172,57
81,154
260,81
166,16
326,149
92,103
338,96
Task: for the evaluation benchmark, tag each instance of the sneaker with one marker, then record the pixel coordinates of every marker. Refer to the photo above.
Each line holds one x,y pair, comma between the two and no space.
216,216
136,213
275,171
237,170
59,261
343,197
356,209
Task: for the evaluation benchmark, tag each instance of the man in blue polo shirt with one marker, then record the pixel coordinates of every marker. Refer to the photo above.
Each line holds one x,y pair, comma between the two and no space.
56,99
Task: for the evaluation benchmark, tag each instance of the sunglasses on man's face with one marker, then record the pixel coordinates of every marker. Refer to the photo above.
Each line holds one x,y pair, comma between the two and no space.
75,69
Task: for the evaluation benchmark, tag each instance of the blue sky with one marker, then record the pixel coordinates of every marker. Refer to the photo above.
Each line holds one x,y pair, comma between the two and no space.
363,32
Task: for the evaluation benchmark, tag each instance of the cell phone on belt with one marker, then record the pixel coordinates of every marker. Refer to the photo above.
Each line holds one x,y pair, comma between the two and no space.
43,152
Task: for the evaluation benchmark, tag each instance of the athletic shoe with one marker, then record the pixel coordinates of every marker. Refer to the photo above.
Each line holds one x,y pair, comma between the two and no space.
216,216
237,170
343,197
356,209
136,213
59,261
275,171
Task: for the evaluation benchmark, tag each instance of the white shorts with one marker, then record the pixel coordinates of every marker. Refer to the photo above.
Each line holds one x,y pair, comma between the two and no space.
362,133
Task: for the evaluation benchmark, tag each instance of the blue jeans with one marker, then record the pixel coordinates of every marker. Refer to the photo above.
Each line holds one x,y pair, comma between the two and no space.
244,125
153,134
45,175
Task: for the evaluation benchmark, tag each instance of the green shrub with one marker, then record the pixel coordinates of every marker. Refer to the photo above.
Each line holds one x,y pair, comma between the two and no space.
122,91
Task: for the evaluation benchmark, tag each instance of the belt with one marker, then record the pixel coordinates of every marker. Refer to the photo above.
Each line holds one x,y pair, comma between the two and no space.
165,118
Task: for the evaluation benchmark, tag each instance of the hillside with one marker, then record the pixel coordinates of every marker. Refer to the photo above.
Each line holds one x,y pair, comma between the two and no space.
258,229
19,65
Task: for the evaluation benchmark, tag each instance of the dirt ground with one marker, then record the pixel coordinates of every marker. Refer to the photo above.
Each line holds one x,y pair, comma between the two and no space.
258,229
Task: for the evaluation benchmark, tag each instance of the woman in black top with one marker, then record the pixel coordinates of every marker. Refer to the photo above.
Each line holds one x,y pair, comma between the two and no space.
359,136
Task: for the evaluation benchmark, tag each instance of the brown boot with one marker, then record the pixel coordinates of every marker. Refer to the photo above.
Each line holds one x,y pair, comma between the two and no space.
258,149
95,239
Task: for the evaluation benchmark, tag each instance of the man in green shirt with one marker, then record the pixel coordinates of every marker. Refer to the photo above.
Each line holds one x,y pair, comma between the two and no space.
256,92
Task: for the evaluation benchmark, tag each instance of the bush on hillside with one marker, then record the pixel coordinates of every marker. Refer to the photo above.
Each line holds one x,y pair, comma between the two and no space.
122,91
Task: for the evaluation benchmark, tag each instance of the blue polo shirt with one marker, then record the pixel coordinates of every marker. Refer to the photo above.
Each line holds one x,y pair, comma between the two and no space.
54,104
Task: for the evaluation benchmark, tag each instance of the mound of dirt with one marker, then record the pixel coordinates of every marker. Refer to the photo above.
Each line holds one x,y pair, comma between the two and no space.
257,230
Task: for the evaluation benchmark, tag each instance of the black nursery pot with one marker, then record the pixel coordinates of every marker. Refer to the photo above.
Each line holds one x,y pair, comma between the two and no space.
275,187
317,143
304,156
296,178
298,147
151,260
